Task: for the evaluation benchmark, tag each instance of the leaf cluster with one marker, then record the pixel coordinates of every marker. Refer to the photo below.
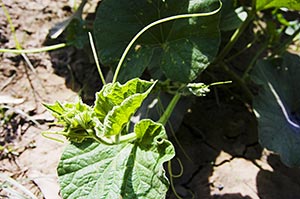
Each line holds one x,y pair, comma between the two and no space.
174,41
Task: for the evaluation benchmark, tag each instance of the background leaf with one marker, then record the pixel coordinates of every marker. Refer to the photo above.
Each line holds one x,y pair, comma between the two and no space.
128,170
265,4
275,131
231,17
180,49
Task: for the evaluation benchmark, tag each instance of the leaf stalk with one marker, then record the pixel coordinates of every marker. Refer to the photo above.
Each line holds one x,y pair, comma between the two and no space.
235,37
166,115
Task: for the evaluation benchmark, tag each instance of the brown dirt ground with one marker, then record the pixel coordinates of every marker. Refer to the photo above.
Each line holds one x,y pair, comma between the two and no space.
219,136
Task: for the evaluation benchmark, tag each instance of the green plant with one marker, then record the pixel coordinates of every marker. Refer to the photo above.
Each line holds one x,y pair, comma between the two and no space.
120,162
173,43
180,50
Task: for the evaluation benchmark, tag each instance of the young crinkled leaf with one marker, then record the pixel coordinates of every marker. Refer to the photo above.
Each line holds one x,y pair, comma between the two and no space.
132,170
76,119
115,104
114,94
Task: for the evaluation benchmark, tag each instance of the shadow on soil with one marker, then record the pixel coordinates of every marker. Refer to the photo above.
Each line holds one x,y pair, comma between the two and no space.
79,70
283,182
222,142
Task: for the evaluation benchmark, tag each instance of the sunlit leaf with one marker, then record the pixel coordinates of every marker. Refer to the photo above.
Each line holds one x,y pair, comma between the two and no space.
115,104
265,4
129,170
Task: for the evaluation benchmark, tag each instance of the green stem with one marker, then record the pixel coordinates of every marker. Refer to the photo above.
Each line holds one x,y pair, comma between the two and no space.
117,138
287,42
121,139
239,81
154,24
235,37
164,118
103,140
35,50
248,46
254,59
127,138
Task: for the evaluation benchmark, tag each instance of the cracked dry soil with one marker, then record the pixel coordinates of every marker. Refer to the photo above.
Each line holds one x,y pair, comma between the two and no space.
221,156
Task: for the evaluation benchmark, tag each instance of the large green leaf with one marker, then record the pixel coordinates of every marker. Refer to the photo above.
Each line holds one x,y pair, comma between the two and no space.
180,48
130,170
231,17
278,106
116,103
265,4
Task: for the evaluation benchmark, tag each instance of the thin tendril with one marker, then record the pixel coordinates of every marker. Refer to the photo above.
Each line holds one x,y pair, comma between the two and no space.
154,24
96,58
45,134
171,180
34,50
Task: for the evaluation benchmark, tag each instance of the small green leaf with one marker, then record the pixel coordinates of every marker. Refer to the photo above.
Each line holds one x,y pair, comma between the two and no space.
129,170
77,119
277,106
265,4
181,48
55,108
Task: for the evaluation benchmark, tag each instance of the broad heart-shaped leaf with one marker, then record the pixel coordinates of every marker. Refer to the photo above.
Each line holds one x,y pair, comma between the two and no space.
181,49
129,171
265,4
116,103
278,106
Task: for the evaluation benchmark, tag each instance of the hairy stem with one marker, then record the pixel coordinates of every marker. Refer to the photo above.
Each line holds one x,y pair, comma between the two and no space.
127,138
164,118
